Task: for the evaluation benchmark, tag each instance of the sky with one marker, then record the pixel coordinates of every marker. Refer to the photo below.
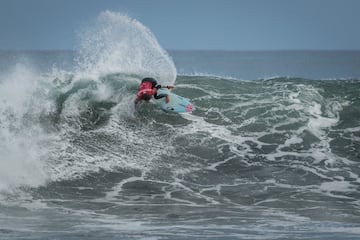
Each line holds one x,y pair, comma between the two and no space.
190,24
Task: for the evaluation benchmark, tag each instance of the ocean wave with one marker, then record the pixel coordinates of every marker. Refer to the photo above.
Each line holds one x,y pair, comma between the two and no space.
249,145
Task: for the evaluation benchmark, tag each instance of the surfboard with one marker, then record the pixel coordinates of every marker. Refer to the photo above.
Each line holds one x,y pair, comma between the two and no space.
176,104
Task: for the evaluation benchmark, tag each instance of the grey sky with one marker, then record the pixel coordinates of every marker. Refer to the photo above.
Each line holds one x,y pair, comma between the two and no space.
190,24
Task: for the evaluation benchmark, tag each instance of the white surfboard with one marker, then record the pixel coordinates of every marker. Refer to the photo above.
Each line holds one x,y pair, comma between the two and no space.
176,104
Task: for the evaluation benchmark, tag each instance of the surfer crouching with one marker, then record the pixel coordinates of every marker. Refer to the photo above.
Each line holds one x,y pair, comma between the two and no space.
148,88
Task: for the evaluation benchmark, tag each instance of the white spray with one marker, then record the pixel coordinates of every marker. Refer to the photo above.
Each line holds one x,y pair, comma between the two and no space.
119,44
21,101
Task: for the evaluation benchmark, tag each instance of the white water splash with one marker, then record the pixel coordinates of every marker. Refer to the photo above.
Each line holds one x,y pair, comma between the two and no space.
20,133
117,43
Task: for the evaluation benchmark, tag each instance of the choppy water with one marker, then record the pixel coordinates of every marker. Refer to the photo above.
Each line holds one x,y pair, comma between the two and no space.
259,158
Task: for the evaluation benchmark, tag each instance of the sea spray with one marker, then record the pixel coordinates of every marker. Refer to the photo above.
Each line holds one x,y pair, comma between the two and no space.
21,103
116,43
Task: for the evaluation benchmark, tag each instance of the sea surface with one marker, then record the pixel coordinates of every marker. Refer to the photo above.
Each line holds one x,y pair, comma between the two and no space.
272,150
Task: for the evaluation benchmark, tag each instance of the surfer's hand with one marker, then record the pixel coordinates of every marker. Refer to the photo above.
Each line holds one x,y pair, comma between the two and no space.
169,87
167,98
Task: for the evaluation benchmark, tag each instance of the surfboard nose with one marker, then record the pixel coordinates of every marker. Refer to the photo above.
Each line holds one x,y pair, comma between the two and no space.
189,107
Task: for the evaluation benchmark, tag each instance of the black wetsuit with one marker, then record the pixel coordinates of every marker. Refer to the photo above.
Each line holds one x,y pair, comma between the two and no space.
154,85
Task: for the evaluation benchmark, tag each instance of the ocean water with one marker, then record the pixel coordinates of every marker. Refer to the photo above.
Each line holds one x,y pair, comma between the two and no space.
272,150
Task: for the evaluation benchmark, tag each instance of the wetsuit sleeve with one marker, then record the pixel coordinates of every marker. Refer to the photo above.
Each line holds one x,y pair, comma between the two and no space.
156,96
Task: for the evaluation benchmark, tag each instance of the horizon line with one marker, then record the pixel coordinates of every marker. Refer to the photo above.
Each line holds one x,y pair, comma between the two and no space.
193,49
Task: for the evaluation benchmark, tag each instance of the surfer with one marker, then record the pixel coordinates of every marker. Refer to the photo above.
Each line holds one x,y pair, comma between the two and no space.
148,88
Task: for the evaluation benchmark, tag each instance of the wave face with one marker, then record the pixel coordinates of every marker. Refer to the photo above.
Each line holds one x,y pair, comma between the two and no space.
262,159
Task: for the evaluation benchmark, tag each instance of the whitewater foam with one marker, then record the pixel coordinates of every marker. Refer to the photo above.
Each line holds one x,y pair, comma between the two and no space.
22,102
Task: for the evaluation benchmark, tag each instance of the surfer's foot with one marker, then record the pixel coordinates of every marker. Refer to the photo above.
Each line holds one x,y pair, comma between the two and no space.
167,99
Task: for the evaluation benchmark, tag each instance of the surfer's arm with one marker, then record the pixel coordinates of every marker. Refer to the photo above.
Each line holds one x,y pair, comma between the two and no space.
167,96
156,96
167,86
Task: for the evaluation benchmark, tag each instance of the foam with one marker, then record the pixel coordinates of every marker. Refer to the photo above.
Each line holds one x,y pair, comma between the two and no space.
317,123
21,99
337,186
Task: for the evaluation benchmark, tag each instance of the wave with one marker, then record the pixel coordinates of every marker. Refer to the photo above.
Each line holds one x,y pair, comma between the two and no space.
45,114
79,145
67,128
